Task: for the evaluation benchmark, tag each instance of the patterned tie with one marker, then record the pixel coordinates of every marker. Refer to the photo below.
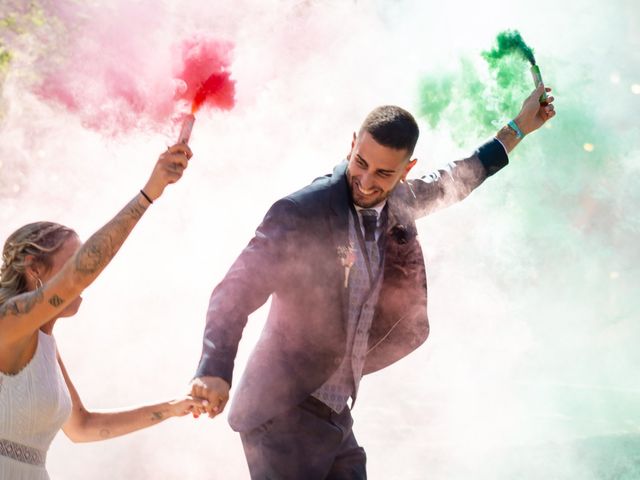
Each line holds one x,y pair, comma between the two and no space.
370,222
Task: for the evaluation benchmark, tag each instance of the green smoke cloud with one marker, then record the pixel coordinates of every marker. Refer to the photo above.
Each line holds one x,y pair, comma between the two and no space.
570,199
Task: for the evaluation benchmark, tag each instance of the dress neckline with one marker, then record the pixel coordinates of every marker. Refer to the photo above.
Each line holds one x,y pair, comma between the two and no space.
32,359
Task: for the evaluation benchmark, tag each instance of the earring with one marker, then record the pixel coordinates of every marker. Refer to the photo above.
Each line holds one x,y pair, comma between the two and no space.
39,284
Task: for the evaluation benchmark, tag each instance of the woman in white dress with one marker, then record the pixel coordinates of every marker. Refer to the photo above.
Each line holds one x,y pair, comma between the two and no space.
45,269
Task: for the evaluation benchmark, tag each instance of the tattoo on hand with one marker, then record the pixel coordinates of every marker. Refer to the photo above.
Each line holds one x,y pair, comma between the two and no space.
56,301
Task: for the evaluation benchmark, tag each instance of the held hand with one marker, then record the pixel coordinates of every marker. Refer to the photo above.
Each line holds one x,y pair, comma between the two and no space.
533,113
168,169
185,405
214,391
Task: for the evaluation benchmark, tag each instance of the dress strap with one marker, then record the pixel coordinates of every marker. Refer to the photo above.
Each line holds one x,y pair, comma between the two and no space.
22,453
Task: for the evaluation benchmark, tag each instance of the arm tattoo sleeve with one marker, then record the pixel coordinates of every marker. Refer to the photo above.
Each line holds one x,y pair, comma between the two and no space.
98,251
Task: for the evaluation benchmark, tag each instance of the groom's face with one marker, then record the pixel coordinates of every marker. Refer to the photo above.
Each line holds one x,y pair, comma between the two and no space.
374,170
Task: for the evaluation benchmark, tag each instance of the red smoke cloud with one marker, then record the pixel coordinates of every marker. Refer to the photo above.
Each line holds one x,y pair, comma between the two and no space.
118,79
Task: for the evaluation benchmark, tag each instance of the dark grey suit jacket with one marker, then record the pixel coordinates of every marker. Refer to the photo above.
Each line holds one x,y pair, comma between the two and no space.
294,259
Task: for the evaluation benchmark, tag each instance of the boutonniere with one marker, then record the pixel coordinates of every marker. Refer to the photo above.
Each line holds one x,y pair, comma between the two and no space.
347,256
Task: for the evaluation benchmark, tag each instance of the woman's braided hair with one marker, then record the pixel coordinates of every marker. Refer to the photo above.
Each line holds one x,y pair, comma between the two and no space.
40,240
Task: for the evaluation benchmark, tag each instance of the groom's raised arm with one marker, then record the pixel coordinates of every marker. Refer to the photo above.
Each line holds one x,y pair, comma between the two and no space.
458,179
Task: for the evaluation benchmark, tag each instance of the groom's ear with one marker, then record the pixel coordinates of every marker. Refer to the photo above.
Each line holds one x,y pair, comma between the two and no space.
408,168
353,144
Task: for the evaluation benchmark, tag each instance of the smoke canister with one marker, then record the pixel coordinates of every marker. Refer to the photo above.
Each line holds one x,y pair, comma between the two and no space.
537,79
187,126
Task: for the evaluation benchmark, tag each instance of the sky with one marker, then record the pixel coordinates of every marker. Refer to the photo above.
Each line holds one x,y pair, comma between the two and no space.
530,370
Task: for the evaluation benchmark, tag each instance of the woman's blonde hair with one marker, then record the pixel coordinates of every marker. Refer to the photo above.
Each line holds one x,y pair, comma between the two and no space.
41,240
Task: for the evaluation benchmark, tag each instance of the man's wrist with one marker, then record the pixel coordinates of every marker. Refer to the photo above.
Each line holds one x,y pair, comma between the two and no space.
508,137
513,125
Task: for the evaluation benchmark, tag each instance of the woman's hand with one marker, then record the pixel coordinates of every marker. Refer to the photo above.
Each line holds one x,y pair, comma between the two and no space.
185,405
168,169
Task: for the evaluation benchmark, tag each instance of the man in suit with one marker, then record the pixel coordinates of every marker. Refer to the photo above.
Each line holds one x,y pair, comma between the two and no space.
342,262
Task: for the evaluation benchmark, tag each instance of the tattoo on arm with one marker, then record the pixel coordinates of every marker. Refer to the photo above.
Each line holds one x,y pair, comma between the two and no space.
105,243
56,301
105,433
157,416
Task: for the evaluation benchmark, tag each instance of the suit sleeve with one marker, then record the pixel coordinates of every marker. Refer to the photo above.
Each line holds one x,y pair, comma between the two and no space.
247,285
456,180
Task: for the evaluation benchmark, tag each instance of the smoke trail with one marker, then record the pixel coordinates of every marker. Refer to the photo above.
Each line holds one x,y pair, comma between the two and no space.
204,69
508,43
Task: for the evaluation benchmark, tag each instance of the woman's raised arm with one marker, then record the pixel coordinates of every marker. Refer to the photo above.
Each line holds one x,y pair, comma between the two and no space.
23,314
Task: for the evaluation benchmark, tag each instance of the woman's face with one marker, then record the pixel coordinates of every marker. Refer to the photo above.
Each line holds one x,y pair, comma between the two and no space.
69,247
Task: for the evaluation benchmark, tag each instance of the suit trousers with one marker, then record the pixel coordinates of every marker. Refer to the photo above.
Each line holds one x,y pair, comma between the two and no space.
307,442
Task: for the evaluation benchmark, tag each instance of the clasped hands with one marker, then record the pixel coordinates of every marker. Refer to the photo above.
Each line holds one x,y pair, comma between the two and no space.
213,393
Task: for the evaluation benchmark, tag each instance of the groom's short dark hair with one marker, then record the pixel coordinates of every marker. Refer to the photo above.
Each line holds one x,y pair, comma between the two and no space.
392,127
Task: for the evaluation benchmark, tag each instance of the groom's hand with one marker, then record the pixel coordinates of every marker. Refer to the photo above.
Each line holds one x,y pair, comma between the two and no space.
533,113
214,391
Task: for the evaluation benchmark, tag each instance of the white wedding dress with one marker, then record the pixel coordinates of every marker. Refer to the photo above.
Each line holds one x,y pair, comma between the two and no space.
34,404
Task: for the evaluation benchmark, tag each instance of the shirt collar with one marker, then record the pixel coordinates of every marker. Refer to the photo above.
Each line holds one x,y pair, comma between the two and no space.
378,208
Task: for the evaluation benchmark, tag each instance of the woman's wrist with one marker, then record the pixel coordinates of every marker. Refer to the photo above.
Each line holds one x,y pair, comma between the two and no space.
146,196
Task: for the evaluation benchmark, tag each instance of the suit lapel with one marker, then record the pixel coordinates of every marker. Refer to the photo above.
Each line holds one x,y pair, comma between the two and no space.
339,222
339,219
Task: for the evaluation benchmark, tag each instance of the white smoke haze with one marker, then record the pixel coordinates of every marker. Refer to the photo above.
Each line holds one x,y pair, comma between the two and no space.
530,369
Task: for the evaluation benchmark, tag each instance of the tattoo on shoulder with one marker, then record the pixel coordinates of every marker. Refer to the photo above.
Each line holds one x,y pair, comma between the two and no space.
56,301
9,308
22,304
33,299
